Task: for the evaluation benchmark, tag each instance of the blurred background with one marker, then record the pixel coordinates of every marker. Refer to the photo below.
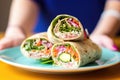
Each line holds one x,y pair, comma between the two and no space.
4,13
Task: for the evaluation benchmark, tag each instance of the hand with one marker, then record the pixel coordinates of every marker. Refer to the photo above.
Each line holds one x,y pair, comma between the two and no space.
8,42
13,37
105,41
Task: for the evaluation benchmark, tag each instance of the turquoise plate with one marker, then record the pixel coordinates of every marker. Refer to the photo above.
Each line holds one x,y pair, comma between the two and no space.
14,57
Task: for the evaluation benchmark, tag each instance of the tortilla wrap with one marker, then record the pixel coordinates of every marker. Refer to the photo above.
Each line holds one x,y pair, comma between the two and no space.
37,46
64,28
75,54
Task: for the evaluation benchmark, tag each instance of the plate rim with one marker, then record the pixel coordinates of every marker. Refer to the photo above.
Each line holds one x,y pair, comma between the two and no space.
57,70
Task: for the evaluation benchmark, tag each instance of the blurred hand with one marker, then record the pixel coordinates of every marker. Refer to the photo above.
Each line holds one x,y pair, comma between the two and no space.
104,41
8,42
13,37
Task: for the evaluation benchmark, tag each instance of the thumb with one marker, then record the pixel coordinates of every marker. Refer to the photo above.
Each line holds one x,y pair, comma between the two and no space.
109,43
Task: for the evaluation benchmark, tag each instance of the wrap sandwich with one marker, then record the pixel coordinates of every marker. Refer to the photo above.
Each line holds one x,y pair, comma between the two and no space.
64,28
75,54
37,46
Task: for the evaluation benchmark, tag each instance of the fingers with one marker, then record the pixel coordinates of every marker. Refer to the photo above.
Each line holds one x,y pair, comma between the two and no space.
96,39
9,42
109,43
104,41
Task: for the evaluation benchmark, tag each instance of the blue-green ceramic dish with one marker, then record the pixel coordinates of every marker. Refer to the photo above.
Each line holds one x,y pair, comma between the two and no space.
14,57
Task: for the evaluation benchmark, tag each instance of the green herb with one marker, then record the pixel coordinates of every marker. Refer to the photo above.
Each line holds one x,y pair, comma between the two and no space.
34,47
65,28
40,47
46,60
29,45
27,48
68,45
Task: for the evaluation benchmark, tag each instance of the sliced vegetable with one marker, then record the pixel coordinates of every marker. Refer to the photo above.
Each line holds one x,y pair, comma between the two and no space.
65,57
46,60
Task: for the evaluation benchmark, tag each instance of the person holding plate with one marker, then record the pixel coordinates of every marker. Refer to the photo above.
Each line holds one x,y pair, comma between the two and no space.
100,17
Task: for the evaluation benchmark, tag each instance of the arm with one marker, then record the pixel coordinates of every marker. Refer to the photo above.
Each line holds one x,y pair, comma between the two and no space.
108,25
23,14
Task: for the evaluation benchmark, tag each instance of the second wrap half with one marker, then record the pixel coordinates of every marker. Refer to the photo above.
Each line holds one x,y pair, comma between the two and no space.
75,54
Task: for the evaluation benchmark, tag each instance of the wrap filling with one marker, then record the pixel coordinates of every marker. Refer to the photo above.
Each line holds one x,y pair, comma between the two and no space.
67,28
65,55
38,48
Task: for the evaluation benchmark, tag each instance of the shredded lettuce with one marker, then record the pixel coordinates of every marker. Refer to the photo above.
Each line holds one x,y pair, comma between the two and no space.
47,60
64,27
29,45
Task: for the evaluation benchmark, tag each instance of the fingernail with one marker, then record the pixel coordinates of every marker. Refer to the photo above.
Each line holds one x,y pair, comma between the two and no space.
115,47
0,48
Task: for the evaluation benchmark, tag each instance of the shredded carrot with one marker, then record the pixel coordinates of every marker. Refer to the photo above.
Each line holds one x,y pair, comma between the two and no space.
55,52
72,52
39,43
76,55
47,51
67,49
77,59
76,22
70,48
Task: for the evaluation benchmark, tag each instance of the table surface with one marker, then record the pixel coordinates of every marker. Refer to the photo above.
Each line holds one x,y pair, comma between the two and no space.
8,72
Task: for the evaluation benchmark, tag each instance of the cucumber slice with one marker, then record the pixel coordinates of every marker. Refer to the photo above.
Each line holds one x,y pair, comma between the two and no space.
65,57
